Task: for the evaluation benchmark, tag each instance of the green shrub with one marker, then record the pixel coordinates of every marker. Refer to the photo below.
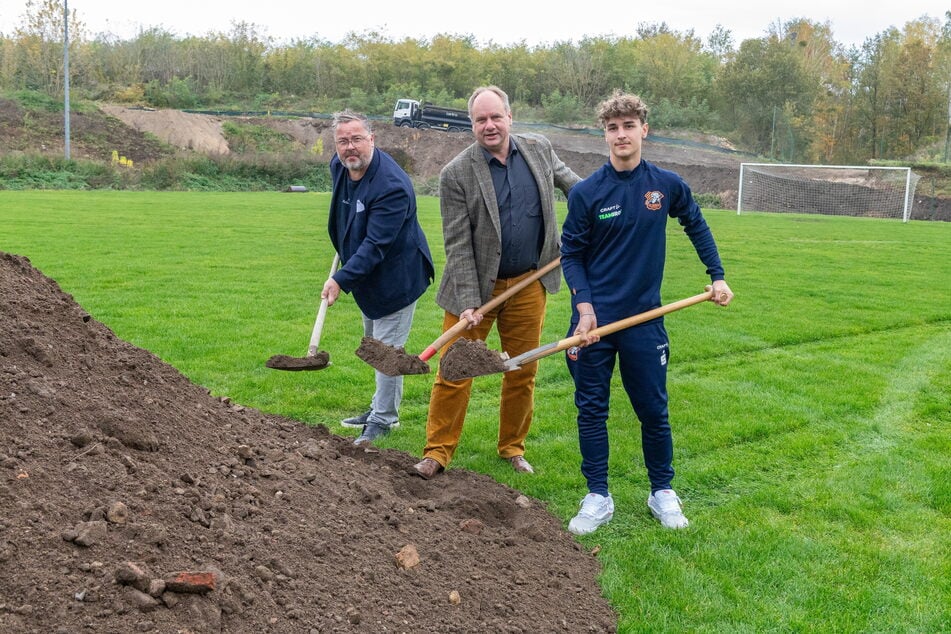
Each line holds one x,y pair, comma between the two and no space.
37,100
36,171
258,172
708,201
695,114
561,108
248,137
255,172
162,175
426,186
177,93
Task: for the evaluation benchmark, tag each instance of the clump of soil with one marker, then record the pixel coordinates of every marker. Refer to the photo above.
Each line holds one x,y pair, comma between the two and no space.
468,358
390,360
131,500
318,361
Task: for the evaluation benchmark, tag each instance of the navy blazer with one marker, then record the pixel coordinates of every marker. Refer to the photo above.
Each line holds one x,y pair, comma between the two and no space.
386,260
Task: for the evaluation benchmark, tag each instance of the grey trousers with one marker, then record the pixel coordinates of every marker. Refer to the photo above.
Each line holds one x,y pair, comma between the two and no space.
393,330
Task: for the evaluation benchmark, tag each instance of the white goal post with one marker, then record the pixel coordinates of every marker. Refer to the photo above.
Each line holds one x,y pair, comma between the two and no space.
838,190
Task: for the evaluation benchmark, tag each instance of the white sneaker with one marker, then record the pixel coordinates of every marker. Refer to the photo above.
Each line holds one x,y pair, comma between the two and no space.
595,511
667,507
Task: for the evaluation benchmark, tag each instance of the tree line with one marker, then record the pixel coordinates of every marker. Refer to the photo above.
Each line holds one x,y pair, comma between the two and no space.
794,94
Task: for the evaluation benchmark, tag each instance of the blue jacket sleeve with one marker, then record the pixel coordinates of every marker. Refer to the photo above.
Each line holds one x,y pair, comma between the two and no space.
688,214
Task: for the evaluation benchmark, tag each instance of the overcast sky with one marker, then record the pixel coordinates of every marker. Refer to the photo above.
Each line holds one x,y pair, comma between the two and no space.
507,22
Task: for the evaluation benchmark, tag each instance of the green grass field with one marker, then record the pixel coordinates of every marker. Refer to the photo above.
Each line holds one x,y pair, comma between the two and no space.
812,418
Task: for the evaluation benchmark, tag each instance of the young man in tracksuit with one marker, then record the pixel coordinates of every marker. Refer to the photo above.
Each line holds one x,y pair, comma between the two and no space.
612,255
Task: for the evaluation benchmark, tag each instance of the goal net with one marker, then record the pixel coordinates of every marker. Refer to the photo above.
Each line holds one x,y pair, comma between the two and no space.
837,190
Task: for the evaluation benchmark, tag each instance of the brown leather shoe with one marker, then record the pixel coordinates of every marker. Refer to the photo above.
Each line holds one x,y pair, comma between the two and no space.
520,464
427,468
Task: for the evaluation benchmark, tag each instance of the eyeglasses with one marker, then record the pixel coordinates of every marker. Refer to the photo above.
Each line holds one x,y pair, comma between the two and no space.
355,141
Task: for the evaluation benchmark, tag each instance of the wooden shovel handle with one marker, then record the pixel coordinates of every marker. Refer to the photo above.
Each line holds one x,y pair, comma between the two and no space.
461,325
321,315
621,324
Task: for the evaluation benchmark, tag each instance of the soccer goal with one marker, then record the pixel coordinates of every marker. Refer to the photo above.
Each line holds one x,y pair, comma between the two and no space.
837,190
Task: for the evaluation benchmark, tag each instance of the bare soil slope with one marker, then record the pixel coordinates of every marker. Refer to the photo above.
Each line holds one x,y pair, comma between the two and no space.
93,135
145,134
706,165
133,501
424,152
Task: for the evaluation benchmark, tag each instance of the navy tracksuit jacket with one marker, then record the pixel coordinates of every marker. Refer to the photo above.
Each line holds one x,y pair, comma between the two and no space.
613,252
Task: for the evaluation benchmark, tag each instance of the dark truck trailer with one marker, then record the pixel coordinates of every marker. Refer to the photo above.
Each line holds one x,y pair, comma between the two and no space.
409,113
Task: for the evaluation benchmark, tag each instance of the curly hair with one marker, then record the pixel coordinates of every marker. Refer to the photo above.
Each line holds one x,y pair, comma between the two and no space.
621,104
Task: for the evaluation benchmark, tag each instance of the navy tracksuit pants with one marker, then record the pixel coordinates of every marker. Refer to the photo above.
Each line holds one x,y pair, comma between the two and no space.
642,352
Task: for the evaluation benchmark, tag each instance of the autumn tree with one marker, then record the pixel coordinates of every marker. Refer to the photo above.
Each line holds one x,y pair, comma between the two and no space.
675,74
39,54
518,69
577,70
764,92
823,124
915,94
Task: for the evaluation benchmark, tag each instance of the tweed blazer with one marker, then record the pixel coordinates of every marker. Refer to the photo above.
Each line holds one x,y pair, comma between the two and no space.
472,229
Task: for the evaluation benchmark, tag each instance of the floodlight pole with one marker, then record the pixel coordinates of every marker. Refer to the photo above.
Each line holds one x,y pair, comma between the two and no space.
66,75
947,136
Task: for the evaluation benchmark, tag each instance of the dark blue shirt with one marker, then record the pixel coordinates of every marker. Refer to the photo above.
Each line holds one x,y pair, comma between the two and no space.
342,206
520,213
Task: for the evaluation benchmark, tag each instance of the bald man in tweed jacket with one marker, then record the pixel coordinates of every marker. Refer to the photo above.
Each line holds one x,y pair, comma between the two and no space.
497,199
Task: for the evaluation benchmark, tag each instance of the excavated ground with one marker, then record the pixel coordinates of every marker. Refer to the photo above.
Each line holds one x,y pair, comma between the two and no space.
133,501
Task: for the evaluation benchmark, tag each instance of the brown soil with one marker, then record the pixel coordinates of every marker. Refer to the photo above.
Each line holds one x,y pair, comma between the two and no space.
390,360
185,130
93,135
131,500
468,358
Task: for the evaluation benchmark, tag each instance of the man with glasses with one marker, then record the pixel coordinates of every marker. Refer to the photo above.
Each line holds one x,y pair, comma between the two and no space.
386,263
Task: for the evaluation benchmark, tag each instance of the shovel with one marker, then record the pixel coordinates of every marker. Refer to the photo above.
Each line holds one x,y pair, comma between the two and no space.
471,359
395,361
314,360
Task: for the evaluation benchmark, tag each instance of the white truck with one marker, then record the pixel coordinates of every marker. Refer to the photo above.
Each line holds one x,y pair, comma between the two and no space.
409,113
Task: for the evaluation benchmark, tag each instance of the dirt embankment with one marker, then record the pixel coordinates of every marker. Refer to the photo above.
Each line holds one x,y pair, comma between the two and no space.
709,166
425,152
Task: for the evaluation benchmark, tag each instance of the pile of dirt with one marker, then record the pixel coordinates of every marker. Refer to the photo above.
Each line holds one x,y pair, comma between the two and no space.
197,132
134,501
